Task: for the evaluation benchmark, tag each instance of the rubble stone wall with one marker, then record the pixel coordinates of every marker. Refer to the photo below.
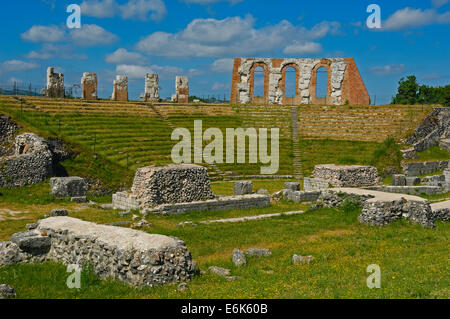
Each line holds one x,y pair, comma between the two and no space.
347,175
151,87
182,89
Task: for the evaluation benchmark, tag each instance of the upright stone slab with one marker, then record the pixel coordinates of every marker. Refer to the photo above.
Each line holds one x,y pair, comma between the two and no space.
243,187
151,88
398,180
447,178
347,175
182,89
293,186
120,91
68,186
89,86
55,84
314,184
171,184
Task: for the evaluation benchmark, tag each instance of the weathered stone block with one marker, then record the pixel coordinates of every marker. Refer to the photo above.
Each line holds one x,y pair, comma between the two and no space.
239,258
412,180
445,144
243,187
7,292
120,90
55,84
398,180
347,175
171,184
151,87
68,186
314,184
89,86
294,186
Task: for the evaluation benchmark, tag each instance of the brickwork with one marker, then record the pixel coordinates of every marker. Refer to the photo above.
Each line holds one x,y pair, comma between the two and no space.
182,89
55,84
89,86
151,88
344,82
120,92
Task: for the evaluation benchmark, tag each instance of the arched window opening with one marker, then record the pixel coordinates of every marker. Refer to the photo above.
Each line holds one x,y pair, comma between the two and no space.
258,90
290,77
321,85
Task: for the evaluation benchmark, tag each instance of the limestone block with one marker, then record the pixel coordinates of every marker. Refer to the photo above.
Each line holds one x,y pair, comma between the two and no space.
68,186
243,187
294,186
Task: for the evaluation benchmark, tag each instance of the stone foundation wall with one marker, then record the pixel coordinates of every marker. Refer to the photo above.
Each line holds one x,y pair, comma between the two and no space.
299,196
124,200
222,203
89,86
347,175
314,184
421,168
131,256
411,190
171,184
344,82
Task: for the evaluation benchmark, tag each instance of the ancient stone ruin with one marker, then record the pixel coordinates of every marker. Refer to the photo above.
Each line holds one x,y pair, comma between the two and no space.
8,129
347,175
182,90
120,91
89,86
31,163
175,189
128,255
55,84
344,82
434,130
151,88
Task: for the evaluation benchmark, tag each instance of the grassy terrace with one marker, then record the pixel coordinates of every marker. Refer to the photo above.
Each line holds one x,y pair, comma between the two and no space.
413,260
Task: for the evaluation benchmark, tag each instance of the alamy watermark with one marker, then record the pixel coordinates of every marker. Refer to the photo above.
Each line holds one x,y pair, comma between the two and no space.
74,19
74,279
214,152
374,20
374,280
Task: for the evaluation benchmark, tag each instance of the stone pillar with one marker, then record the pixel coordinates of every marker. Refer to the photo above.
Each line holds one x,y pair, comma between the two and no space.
151,87
89,86
182,89
120,92
55,84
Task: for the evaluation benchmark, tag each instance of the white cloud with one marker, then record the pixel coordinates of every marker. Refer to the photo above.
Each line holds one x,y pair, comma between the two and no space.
439,3
391,69
222,65
133,9
63,51
122,56
412,18
92,35
17,66
219,86
303,48
38,55
232,36
40,33
139,71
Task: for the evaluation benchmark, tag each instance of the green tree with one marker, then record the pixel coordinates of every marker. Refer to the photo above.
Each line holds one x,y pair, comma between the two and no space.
408,91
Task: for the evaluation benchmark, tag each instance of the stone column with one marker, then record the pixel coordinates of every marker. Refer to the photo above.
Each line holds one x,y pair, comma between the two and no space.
89,86
151,87
120,92
55,84
182,89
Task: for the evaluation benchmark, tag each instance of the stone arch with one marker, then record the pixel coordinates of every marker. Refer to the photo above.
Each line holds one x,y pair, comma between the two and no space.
296,98
324,63
265,98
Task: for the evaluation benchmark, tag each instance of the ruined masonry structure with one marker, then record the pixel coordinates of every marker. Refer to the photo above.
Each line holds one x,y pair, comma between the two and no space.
151,87
120,91
182,89
89,86
134,257
55,84
344,82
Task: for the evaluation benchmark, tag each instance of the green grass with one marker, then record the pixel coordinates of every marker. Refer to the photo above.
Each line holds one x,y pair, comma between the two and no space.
412,259
30,195
434,153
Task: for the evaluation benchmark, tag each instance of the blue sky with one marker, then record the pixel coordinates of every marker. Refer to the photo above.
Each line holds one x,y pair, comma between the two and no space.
199,38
